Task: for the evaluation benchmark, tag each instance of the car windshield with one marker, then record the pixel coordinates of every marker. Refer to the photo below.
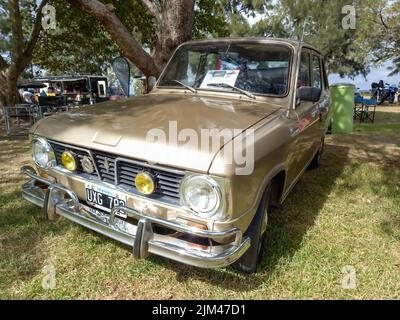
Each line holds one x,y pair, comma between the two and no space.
255,68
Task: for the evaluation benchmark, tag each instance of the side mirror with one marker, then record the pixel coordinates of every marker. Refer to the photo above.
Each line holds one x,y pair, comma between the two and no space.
308,94
151,81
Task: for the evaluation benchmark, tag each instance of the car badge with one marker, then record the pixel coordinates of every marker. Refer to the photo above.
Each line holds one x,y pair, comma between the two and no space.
87,165
106,165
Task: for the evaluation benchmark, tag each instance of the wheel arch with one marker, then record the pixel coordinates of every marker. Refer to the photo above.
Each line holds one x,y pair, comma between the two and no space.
276,177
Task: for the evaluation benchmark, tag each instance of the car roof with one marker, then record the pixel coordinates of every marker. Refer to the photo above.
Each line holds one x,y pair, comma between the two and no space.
294,43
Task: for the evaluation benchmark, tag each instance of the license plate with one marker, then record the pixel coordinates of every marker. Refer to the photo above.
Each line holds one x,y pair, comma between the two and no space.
103,198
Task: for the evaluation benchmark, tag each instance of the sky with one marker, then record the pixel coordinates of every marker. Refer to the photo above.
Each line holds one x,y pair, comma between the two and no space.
376,74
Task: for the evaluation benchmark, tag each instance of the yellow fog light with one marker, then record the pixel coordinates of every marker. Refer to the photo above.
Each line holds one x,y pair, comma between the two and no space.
144,183
68,160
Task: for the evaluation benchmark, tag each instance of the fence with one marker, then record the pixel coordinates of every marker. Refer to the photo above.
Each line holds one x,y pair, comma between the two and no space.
19,118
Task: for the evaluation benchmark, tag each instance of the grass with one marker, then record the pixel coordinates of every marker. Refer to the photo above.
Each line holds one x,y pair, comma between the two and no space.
387,120
345,213
389,128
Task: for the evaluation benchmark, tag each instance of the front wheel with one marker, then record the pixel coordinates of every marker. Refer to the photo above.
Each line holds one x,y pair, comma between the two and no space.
256,232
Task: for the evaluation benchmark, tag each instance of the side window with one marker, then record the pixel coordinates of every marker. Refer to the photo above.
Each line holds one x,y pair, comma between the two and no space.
304,75
316,72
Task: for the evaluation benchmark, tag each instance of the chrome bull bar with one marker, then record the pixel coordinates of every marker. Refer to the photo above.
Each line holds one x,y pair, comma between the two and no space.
144,240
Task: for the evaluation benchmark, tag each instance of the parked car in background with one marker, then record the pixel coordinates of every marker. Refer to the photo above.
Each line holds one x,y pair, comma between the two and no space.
97,166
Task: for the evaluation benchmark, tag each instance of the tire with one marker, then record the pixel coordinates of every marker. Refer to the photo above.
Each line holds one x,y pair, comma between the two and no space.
256,232
316,161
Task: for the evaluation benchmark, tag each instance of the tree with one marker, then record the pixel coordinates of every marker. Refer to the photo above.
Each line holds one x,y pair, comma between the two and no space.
173,22
380,31
18,39
375,39
209,20
79,36
343,54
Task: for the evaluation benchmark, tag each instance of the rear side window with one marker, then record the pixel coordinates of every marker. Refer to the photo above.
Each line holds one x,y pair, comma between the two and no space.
316,72
304,76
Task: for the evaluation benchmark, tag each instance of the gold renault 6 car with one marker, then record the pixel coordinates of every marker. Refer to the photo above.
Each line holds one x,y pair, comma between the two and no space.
191,170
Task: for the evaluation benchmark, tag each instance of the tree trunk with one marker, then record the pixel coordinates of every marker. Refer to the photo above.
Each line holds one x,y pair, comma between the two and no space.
174,26
129,45
21,52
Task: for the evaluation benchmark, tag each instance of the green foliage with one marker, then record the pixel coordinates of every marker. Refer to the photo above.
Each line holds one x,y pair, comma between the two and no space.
323,30
209,20
139,87
239,27
347,52
80,45
246,7
80,38
27,10
379,31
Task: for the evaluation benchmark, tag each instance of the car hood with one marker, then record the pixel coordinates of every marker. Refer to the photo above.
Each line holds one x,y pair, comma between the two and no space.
124,127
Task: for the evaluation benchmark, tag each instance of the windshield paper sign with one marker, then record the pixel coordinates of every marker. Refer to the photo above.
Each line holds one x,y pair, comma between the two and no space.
220,76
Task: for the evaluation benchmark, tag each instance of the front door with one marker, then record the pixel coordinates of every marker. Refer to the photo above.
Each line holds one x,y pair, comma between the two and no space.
305,134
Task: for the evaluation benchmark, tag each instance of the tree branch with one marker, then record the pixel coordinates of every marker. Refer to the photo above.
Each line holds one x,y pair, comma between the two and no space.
37,28
129,45
382,20
16,31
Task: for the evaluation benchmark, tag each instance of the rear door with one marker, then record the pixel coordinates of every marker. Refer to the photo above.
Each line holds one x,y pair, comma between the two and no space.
324,103
317,81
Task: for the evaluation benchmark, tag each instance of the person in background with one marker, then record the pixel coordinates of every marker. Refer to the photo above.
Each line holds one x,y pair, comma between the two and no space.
36,96
50,92
43,93
58,89
27,95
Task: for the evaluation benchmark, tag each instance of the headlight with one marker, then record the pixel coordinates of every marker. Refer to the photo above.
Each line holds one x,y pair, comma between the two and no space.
43,153
202,194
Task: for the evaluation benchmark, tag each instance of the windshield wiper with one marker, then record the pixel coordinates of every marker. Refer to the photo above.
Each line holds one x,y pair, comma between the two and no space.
225,85
186,86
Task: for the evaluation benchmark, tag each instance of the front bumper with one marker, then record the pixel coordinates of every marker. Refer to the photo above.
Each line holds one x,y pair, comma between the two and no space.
58,200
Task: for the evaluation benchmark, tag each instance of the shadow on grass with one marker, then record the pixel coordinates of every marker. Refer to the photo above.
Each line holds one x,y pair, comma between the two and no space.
380,179
287,228
10,147
387,115
23,231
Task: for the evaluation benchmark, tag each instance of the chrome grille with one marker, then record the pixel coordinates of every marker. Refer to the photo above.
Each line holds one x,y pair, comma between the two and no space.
106,165
168,182
59,149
